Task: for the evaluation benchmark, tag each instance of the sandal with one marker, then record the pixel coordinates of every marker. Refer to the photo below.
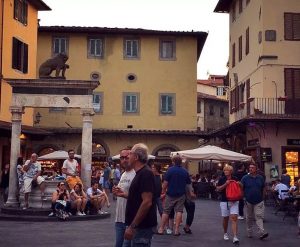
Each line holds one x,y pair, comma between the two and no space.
159,233
187,231
177,234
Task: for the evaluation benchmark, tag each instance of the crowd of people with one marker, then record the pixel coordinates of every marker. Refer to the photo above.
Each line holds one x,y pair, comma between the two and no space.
141,191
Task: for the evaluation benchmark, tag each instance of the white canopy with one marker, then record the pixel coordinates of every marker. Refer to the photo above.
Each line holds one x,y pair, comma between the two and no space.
57,155
117,157
210,152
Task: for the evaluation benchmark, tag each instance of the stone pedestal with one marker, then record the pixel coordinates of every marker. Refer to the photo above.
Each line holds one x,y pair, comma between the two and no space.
16,120
86,152
35,200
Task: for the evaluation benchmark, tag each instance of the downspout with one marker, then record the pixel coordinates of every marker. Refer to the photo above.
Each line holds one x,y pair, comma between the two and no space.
1,42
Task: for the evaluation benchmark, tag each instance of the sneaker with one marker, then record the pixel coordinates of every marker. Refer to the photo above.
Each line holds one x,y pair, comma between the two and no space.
235,240
263,236
83,213
240,218
51,214
79,214
226,237
169,231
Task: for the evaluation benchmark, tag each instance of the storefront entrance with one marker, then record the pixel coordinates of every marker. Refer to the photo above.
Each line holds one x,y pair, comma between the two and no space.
290,161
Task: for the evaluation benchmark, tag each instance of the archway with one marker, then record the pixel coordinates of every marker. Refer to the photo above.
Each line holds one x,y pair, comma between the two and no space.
162,154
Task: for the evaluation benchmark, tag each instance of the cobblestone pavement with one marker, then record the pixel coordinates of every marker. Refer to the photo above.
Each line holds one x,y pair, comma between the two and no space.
207,231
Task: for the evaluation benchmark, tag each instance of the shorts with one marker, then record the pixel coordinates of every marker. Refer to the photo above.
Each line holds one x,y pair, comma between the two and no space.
106,184
229,208
176,203
28,183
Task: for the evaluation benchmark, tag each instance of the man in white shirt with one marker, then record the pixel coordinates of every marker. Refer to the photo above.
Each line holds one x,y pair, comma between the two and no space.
97,198
124,185
282,190
71,169
32,174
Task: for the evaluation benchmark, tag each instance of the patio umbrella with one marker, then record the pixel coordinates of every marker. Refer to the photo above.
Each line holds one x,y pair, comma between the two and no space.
117,157
210,152
57,155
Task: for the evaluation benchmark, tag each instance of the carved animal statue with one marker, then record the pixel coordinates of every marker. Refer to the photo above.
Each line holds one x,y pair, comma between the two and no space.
57,63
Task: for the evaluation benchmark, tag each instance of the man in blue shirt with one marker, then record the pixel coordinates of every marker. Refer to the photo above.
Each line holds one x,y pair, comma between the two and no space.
254,190
174,189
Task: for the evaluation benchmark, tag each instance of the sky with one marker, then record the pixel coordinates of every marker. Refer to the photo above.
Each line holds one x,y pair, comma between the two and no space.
171,15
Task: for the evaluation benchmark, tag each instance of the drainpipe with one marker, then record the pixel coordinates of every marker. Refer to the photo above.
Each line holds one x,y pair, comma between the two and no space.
1,42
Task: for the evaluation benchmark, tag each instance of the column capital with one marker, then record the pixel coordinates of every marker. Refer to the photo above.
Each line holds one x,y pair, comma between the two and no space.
17,109
87,112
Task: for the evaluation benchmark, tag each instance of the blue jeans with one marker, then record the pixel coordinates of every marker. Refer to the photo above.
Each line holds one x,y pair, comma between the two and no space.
120,230
142,237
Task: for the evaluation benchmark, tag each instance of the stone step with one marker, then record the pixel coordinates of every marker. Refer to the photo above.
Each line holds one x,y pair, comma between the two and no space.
29,211
34,218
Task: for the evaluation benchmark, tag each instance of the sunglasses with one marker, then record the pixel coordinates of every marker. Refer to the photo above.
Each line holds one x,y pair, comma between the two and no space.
123,157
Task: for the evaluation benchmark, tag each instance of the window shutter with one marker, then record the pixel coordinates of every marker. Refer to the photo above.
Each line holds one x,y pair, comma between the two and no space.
25,12
15,54
288,26
134,103
247,41
240,6
170,104
240,48
231,102
25,59
233,55
288,76
296,26
16,7
297,83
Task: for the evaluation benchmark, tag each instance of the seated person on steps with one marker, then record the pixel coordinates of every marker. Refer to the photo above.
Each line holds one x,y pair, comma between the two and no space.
32,175
78,199
97,199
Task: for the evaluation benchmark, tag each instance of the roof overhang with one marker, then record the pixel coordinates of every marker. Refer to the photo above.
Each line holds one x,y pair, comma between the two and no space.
200,36
223,6
39,5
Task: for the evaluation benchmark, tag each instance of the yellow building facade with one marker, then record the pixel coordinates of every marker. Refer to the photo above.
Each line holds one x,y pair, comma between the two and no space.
18,48
148,89
264,74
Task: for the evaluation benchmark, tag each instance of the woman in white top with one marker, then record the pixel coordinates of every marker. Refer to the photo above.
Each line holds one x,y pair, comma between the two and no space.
78,199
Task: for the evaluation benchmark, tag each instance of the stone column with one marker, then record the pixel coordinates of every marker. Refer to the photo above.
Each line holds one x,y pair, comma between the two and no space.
86,146
16,121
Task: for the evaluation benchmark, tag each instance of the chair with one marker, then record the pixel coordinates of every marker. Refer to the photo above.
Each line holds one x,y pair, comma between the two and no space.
203,190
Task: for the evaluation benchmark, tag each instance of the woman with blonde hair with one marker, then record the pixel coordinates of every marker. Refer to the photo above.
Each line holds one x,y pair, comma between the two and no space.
229,209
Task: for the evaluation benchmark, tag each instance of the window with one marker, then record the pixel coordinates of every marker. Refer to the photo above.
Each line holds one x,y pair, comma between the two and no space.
233,14
167,50
292,26
98,102
21,11
221,91
20,56
95,47
221,111
240,48
240,6
167,104
270,35
131,48
60,45
198,106
57,109
131,103
247,41
211,110
233,55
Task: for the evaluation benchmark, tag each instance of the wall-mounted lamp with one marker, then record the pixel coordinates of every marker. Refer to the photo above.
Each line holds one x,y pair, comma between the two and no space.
38,117
22,137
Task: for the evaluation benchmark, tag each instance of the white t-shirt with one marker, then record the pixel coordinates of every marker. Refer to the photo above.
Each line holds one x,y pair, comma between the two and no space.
280,187
90,192
124,184
70,166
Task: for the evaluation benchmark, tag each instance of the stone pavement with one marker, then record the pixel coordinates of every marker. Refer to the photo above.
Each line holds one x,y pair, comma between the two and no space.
207,231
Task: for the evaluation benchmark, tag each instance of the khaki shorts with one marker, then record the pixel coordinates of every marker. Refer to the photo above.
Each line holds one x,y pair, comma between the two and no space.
28,183
174,202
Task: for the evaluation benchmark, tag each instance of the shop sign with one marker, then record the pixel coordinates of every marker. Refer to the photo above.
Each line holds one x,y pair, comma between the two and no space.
266,154
253,142
293,141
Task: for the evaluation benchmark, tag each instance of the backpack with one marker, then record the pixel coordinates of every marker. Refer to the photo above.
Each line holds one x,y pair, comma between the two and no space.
233,191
